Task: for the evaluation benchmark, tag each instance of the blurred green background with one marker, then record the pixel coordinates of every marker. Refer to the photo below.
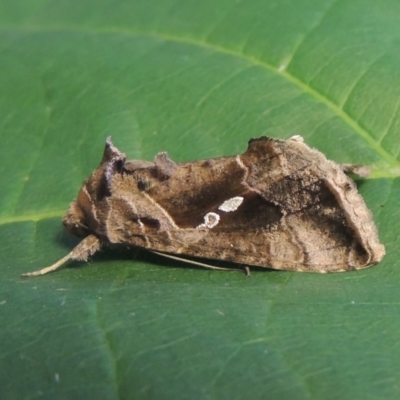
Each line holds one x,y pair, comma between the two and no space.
196,79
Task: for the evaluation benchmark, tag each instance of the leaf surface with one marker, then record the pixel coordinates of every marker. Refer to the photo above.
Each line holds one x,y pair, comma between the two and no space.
196,79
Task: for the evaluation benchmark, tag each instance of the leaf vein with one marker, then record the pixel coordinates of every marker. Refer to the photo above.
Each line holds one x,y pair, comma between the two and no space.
219,85
314,27
357,81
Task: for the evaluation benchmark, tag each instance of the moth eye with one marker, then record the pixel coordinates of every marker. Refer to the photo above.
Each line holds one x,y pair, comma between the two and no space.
80,226
76,227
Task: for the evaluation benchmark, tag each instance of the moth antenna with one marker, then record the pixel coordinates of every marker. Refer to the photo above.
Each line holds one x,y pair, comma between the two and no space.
194,262
81,252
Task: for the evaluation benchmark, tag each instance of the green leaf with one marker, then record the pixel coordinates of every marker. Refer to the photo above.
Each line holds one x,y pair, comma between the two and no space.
196,79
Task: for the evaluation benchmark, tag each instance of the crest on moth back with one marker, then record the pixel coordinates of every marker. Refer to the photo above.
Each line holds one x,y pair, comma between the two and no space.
279,205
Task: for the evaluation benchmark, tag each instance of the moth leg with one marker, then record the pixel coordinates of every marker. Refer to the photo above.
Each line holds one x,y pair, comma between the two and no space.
357,169
247,270
81,252
194,262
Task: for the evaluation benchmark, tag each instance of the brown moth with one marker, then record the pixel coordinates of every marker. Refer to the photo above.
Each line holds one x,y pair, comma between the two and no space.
279,205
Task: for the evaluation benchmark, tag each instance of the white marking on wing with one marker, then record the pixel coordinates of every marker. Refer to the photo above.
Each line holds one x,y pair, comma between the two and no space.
211,219
231,204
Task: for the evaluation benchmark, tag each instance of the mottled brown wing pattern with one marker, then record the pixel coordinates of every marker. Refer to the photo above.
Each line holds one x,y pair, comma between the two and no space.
290,211
280,204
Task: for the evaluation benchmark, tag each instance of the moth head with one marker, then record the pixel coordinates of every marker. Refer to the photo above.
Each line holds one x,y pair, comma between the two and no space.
75,220
81,217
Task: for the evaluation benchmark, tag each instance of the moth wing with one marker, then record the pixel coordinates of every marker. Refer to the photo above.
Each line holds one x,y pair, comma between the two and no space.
280,205
314,240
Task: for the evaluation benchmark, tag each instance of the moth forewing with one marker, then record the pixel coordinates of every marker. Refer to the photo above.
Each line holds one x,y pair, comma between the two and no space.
279,205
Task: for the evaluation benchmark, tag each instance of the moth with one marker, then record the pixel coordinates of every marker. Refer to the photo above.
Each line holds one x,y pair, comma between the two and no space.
280,205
